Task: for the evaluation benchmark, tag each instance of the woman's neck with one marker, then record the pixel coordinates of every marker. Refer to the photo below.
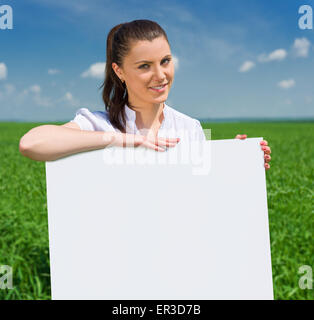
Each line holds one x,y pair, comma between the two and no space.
148,117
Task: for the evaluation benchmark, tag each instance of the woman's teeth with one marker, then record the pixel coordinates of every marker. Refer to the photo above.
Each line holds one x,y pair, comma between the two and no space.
158,87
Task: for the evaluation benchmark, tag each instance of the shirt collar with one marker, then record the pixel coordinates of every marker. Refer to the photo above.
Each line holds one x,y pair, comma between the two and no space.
131,117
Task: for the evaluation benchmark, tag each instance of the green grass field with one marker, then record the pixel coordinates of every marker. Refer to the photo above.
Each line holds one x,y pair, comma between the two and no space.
23,207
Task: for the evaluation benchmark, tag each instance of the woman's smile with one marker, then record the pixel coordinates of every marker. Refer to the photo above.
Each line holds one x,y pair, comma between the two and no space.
159,88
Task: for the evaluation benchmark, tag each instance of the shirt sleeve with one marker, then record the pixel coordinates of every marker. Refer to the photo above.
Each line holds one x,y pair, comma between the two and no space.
85,119
200,135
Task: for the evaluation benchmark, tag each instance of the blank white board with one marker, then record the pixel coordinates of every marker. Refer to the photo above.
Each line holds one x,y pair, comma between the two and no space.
123,228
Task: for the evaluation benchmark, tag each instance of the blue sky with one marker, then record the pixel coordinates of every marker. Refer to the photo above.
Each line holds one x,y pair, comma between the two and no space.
234,59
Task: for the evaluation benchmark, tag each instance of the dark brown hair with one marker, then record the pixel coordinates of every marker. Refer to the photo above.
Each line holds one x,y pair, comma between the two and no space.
119,41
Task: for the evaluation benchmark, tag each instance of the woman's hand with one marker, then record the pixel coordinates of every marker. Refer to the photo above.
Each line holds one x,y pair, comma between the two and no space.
264,147
136,140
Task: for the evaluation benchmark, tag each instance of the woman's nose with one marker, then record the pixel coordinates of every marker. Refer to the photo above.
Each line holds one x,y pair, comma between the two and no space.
159,73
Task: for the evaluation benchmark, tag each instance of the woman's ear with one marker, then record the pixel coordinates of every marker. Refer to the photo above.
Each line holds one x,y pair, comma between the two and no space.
117,70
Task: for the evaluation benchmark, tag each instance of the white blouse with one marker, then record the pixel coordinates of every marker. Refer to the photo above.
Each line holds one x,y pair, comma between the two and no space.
174,125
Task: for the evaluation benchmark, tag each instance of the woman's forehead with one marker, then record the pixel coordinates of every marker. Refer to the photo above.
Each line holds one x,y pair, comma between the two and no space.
143,49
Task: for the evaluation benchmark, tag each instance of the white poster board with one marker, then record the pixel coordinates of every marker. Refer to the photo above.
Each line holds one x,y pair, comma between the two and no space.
121,229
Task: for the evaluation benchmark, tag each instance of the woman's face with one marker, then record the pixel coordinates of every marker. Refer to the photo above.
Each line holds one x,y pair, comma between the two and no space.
148,64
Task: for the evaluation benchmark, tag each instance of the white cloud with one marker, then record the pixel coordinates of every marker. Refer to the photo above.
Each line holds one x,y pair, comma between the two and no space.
175,62
96,70
286,84
3,71
35,88
31,96
36,96
246,66
53,71
301,47
276,55
68,97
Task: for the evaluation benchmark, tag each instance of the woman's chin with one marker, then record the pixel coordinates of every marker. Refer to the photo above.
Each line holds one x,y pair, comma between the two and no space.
161,98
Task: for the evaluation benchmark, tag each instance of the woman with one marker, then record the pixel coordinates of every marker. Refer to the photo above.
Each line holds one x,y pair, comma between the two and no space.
139,75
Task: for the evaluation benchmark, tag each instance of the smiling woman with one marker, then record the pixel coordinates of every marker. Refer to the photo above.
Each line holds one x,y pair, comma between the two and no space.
140,71
139,74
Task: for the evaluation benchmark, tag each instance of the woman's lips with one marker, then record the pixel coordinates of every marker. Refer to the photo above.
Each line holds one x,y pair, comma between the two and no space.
159,90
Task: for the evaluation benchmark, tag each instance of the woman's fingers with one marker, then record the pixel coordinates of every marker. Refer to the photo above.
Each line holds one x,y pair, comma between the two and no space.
155,147
148,141
160,144
264,143
168,139
267,157
266,149
166,143
241,136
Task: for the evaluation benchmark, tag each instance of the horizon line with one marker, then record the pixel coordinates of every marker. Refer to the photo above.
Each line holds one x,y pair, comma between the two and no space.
202,120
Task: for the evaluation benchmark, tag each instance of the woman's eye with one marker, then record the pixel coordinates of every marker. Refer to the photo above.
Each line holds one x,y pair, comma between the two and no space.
141,67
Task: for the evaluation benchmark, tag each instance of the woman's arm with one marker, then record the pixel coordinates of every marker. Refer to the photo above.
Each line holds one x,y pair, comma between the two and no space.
51,142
